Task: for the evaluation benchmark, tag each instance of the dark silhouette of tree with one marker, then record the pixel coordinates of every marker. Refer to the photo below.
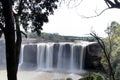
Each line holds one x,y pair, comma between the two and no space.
29,14
110,5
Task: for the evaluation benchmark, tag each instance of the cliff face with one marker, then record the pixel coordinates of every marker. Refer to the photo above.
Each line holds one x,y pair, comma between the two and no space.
92,55
93,58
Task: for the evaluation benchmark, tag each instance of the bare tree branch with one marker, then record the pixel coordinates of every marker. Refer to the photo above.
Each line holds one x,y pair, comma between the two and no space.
116,1
110,46
20,7
106,3
76,5
22,33
94,15
1,27
110,5
102,45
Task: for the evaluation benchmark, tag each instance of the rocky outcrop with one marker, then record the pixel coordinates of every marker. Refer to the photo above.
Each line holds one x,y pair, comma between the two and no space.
93,58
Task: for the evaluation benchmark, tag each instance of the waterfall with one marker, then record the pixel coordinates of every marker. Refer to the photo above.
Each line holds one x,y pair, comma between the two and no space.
44,56
21,56
2,54
62,57
28,57
41,57
69,57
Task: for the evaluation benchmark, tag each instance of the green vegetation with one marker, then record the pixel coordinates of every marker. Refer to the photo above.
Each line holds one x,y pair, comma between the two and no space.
114,32
93,76
111,51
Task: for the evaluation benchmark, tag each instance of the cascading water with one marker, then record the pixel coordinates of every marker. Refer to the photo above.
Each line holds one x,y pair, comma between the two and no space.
62,57
44,56
21,56
2,54
69,57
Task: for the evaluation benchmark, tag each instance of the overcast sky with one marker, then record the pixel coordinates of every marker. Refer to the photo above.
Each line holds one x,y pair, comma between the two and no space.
67,20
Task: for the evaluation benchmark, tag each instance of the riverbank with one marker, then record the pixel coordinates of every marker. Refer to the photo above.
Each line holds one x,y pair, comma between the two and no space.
34,75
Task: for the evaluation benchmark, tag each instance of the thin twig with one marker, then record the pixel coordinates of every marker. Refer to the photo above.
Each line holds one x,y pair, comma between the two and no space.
1,27
102,45
76,5
22,33
95,15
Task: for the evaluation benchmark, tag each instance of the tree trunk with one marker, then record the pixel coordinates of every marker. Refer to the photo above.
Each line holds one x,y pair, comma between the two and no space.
18,33
9,40
18,40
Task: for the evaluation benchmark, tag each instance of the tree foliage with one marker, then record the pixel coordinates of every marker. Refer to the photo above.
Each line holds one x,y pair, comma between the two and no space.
114,33
32,13
117,72
115,36
18,14
112,43
93,76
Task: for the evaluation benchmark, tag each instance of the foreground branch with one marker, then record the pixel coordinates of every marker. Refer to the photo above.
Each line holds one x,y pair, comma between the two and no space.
102,45
96,14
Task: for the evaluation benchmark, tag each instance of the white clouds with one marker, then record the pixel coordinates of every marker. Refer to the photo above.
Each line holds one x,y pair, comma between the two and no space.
67,22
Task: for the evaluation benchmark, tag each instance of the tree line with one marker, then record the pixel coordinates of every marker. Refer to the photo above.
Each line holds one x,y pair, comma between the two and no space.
55,37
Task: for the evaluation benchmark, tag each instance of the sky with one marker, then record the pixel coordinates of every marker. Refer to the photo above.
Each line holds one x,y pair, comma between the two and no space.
69,20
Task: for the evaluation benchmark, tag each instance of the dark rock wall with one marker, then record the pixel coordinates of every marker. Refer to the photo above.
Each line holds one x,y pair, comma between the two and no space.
93,58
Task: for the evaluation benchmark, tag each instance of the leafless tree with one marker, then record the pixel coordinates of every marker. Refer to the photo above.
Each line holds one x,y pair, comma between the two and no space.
107,53
110,5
